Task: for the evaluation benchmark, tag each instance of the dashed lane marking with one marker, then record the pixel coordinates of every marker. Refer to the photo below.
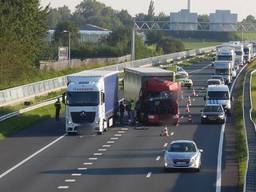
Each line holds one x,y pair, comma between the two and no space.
87,163
149,175
158,158
114,138
124,129
82,168
93,158
110,142
76,174
118,135
97,154
172,133
63,187
70,180
165,145
102,149
106,145
121,131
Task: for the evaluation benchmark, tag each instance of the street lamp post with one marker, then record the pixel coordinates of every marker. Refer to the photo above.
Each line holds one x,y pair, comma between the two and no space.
133,42
65,31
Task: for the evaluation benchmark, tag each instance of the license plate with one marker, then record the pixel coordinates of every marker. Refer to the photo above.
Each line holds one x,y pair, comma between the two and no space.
181,163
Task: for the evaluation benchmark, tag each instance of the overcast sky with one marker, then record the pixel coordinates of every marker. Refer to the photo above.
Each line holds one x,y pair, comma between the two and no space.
242,7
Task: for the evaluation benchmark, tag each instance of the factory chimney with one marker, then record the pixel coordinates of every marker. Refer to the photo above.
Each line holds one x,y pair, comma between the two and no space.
189,5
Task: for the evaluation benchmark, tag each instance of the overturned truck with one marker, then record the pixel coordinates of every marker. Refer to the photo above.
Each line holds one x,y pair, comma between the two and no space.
155,92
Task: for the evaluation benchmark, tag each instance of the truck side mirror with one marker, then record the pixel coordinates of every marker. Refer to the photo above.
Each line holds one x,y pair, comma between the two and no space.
102,95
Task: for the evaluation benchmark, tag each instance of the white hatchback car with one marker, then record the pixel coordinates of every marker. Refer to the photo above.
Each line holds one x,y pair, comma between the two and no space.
182,154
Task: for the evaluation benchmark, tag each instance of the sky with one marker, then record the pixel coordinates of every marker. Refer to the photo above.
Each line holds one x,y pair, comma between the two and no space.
241,7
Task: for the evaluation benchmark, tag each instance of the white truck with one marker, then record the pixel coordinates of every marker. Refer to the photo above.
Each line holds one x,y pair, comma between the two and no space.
239,50
91,101
248,52
227,53
219,94
224,68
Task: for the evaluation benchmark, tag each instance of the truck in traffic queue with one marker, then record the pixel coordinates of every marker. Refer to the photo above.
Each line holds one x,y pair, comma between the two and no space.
91,101
227,53
224,68
155,92
219,94
239,51
248,52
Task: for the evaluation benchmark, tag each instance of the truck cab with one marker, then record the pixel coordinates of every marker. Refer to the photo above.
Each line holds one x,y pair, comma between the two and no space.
219,94
248,52
224,68
226,53
88,103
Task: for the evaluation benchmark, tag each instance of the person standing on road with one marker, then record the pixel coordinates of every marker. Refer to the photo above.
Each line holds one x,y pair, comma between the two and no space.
121,111
57,106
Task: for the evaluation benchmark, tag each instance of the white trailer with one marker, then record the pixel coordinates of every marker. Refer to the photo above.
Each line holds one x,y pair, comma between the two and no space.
224,68
91,101
248,52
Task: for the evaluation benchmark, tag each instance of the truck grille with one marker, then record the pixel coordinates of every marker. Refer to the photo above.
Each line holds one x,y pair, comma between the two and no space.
83,117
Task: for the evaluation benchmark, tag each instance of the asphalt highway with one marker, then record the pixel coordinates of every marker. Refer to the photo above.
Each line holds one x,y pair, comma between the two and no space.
123,159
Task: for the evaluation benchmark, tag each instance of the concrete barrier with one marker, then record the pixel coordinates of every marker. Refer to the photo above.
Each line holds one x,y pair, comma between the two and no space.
25,92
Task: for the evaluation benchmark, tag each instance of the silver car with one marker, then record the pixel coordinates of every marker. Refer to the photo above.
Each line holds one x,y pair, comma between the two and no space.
182,154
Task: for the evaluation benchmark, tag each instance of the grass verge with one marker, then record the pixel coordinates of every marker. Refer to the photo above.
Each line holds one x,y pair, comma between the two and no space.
199,44
23,121
253,97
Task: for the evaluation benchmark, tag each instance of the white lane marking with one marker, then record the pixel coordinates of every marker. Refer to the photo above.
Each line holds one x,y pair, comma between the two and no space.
124,129
172,133
82,168
110,142
76,174
70,180
81,136
106,145
63,187
93,158
220,151
97,154
121,131
31,156
118,135
149,175
87,163
102,149
114,138
158,158
165,145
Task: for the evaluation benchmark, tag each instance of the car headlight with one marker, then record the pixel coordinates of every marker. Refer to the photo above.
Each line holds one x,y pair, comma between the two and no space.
221,116
204,116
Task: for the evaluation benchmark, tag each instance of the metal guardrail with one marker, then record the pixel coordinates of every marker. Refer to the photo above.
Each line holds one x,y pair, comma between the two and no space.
250,178
22,93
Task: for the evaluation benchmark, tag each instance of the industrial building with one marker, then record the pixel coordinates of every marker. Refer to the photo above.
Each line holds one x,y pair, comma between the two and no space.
183,20
223,20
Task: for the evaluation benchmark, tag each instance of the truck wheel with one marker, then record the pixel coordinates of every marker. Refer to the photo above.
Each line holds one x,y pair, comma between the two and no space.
99,133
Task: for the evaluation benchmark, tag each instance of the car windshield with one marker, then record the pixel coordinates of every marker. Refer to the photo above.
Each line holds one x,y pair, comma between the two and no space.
182,147
83,98
224,58
218,95
213,109
222,71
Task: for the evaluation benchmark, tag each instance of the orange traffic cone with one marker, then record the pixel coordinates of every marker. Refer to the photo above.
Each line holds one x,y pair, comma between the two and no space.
189,118
165,132
194,93
189,100
187,110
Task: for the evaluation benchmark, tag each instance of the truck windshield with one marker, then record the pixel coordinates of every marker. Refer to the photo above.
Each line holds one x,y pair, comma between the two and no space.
218,95
222,71
224,58
83,98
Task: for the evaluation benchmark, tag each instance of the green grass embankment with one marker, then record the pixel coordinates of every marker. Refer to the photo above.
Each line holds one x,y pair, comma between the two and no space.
199,44
253,88
26,120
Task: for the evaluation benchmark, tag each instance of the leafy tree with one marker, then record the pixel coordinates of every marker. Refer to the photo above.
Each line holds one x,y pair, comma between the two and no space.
169,45
22,33
151,10
58,15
